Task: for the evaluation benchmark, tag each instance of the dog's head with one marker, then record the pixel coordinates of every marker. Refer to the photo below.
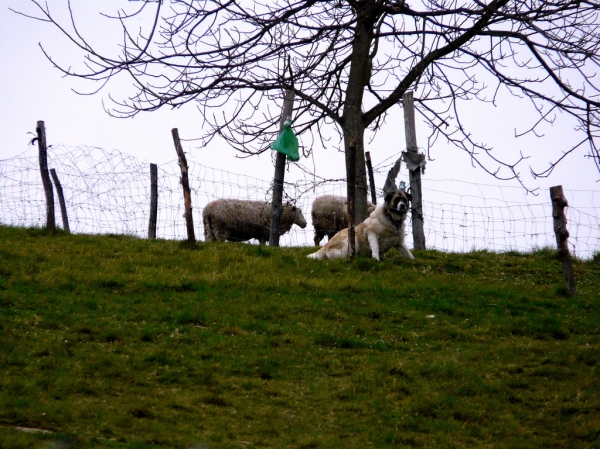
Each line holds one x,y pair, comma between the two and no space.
397,205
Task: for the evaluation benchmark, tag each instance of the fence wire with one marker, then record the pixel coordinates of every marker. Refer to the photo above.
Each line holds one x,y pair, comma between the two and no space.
108,192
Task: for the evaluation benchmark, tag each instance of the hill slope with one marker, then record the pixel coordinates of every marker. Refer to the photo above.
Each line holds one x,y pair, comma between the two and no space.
112,341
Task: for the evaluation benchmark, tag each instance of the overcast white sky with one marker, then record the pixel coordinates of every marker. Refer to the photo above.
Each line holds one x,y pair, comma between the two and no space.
31,89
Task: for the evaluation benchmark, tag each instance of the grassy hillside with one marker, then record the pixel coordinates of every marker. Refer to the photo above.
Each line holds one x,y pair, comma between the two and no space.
119,342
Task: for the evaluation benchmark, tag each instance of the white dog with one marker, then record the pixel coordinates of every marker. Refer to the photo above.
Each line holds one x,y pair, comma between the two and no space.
380,232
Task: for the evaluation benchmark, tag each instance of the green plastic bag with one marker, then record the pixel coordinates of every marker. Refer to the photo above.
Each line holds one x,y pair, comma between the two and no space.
287,142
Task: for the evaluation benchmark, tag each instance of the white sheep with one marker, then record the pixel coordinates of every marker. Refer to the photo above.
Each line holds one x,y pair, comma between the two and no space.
240,220
330,215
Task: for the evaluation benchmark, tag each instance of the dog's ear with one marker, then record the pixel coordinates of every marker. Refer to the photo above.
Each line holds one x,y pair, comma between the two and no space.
409,196
388,197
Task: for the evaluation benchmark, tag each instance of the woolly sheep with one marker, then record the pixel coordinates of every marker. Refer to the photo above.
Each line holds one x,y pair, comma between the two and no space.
240,220
330,215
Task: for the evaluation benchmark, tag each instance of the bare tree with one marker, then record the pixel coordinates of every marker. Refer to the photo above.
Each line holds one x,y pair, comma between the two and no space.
349,62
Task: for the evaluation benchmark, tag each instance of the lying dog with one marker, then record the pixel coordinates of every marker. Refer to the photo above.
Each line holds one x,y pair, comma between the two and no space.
380,232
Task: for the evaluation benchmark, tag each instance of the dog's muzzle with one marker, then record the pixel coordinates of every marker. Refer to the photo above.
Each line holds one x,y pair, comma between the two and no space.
401,207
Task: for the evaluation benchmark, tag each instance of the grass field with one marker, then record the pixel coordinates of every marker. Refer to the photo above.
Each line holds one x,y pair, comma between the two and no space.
118,342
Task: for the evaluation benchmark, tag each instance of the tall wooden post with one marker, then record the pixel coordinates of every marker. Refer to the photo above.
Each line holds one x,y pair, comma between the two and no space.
277,207
559,202
61,200
351,192
43,156
414,176
187,195
153,201
371,177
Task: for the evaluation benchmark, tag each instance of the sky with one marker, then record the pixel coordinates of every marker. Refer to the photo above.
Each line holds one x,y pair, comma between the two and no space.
31,90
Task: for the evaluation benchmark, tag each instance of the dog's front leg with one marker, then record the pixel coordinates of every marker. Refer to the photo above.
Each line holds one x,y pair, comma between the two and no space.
374,244
404,251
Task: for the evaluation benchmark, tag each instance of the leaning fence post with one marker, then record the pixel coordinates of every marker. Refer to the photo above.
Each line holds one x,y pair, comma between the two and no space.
187,195
414,176
559,202
276,207
41,140
153,201
371,178
351,192
61,200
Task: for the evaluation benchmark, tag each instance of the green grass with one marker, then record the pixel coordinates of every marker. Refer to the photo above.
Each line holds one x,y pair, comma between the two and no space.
118,342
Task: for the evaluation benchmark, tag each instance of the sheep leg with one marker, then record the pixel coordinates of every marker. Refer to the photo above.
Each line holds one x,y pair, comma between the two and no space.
318,237
221,235
209,236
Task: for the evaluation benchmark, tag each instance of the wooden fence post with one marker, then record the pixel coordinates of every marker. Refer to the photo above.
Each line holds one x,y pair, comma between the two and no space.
153,201
61,200
187,195
43,156
351,192
559,202
414,176
276,206
371,178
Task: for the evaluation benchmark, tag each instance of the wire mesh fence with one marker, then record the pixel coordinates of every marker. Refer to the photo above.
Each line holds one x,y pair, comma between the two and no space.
108,192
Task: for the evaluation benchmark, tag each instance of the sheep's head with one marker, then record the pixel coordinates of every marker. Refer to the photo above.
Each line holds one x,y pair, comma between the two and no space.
296,213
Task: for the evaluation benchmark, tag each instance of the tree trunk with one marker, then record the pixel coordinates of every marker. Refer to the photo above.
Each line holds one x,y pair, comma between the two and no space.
351,203
360,173
353,124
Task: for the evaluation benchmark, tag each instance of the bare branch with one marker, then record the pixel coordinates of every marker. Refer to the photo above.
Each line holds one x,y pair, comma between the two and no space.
349,62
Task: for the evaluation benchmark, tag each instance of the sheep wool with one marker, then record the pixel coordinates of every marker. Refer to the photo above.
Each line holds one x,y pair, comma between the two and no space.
241,220
330,215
